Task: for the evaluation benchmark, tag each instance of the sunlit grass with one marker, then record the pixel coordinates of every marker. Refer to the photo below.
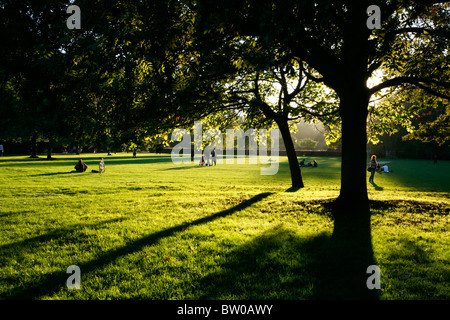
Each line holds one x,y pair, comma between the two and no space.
149,229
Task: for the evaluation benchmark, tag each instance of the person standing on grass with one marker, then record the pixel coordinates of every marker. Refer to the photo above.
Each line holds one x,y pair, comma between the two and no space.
214,156
207,156
373,167
434,158
1,149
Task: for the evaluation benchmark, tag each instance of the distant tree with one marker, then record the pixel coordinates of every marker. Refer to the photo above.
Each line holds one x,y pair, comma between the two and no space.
307,144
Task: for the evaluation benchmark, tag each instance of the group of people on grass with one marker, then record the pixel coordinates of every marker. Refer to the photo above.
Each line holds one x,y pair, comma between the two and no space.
309,164
374,166
82,167
204,161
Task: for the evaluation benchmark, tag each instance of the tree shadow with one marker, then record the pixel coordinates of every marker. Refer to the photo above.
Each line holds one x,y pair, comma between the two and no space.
53,282
89,159
19,247
276,265
54,173
413,206
279,264
192,166
346,257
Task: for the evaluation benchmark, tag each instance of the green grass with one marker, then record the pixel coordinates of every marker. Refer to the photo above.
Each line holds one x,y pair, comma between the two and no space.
148,229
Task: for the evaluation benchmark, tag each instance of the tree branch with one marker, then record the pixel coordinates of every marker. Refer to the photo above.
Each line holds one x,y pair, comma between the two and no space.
419,82
431,91
299,87
314,114
311,77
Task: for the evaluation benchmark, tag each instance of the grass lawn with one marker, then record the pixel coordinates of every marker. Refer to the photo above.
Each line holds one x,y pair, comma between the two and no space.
149,229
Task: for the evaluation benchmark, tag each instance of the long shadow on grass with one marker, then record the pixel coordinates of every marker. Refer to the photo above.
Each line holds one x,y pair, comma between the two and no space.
377,187
53,282
19,250
66,234
90,159
277,265
346,256
281,265
178,167
55,173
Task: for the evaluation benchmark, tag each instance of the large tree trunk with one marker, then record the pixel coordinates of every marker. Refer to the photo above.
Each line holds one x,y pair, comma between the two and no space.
34,147
354,100
350,251
296,175
353,193
49,149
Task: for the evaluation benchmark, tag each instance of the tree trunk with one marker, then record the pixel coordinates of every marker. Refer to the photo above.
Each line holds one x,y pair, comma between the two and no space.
296,175
351,250
282,122
49,149
354,100
34,147
353,111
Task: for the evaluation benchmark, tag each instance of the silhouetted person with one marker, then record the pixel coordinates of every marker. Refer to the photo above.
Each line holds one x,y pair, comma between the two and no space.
373,167
435,159
207,157
214,156
80,166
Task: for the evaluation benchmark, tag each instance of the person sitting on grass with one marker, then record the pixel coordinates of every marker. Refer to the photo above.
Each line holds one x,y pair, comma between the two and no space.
302,163
80,166
315,164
